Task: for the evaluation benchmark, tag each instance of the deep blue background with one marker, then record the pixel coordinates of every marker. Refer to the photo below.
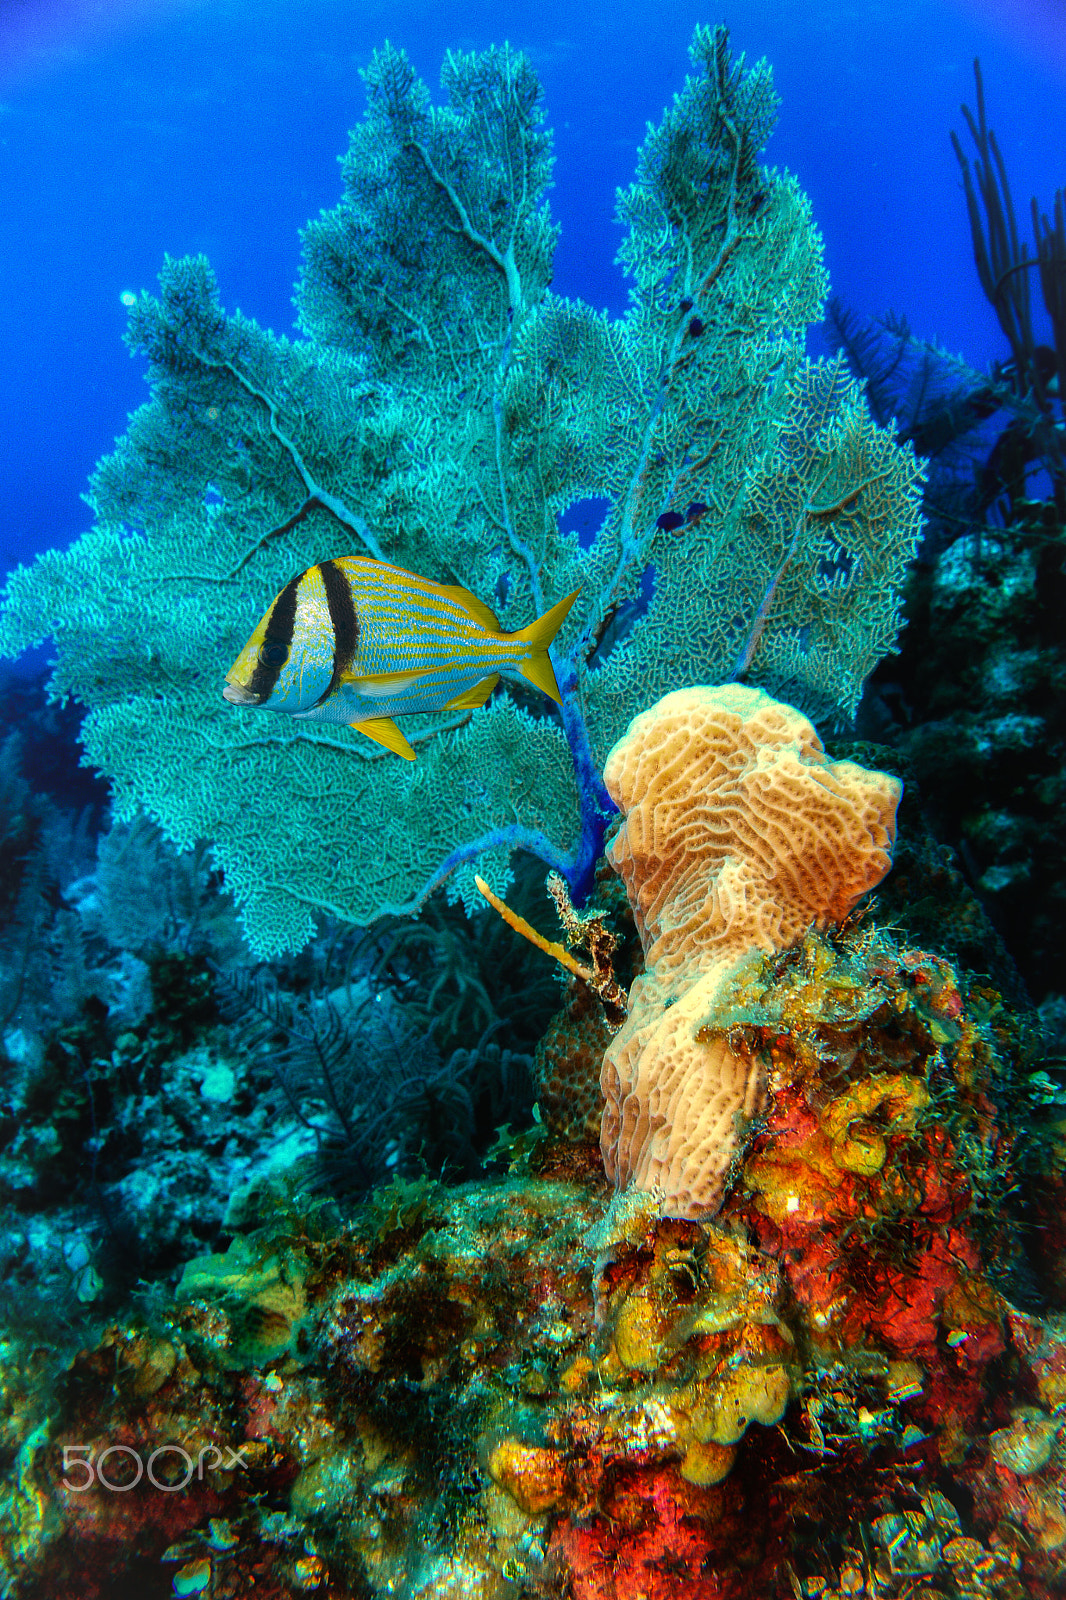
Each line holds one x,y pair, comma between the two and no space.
134,128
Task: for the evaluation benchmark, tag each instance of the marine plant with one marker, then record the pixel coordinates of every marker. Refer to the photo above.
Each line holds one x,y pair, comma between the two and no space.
1036,371
445,410
375,1090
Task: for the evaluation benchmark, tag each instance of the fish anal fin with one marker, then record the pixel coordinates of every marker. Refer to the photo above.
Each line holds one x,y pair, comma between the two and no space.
476,695
384,731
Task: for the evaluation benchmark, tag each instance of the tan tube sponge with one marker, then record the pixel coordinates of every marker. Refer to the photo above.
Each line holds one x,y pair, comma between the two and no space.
739,834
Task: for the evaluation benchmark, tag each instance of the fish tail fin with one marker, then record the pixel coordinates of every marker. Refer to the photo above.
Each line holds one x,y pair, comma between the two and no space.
537,666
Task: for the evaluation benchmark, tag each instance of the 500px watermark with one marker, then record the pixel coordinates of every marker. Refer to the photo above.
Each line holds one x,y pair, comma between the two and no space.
82,1459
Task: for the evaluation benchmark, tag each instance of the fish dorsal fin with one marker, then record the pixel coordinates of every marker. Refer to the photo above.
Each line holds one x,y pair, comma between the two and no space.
474,696
470,602
384,731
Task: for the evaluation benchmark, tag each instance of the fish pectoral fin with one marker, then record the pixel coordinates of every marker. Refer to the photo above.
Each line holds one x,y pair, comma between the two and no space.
376,685
476,695
384,731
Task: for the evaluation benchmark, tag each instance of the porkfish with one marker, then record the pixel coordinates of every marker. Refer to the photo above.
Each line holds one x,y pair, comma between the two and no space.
358,641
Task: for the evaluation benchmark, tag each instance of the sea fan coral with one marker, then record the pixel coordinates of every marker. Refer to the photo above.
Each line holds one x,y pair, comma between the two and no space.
444,410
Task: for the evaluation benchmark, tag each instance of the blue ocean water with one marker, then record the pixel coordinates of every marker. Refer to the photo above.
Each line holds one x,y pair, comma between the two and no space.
142,128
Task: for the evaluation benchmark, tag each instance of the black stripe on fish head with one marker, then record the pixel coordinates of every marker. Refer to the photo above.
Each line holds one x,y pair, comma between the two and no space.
345,623
277,641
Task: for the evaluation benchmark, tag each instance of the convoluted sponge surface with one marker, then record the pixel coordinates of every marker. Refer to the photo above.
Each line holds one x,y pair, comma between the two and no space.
739,835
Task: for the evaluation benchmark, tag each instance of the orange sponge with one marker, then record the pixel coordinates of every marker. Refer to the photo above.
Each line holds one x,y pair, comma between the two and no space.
739,835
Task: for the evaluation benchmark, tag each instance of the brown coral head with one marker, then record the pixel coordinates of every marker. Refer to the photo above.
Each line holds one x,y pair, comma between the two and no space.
739,831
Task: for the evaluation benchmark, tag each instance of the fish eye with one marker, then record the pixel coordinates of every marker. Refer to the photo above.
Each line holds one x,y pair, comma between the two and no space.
273,653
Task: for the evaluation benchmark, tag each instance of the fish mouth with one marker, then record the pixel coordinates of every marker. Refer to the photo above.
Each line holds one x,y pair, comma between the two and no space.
238,696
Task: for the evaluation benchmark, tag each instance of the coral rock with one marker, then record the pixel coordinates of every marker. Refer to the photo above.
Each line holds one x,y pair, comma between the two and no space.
532,1476
1025,1447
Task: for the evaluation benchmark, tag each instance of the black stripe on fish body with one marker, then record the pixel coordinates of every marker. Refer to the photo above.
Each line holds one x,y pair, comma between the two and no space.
277,641
345,623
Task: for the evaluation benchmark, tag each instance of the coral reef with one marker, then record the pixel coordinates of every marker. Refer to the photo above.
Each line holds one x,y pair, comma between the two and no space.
520,1388
526,1387
739,833
154,1094
797,1332
975,700
975,704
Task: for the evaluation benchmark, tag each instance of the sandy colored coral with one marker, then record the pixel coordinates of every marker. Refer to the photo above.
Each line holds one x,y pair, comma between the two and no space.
749,1392
270,1295
532,1476
699,1331
739,835
858,1145
1025,1447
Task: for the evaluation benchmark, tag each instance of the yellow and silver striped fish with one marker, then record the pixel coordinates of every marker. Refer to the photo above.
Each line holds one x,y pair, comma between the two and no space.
358,641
